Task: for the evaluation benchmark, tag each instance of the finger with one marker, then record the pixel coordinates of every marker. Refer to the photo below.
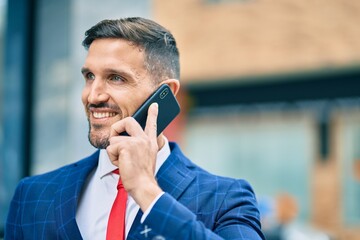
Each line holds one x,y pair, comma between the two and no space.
151,121
128,125
116,149
113,154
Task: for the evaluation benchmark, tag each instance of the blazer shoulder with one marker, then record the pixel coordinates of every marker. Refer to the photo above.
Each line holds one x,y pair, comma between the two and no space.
225,205
205,178
85,164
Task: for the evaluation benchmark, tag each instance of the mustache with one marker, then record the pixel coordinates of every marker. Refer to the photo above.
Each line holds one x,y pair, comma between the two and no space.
104,105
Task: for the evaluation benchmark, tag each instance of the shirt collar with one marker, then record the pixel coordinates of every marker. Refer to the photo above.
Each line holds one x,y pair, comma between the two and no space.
105,166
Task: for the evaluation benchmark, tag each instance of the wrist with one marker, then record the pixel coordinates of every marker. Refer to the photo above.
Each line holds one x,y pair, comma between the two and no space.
146,194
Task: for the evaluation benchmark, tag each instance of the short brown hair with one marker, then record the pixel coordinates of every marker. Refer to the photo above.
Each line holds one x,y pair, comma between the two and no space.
161,52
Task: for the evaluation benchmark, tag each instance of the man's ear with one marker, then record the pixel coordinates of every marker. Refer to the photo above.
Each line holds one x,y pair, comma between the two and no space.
174,85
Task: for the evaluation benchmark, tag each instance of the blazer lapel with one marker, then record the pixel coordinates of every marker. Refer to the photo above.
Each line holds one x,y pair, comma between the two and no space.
174,176
67,196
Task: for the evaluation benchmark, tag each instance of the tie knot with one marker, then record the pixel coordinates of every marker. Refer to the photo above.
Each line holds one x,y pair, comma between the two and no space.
119,185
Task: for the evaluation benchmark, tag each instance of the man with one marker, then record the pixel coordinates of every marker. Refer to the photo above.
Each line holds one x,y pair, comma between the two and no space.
168,197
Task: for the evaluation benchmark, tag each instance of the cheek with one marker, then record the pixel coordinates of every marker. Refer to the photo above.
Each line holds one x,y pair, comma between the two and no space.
128,107
84,96
135,103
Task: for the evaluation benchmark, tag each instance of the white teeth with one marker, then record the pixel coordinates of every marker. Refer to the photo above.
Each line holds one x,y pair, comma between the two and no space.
103,114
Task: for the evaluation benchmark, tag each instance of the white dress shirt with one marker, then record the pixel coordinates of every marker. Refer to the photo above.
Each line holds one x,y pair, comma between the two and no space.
99,194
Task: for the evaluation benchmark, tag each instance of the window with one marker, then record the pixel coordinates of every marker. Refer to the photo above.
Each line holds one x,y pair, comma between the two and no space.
349,137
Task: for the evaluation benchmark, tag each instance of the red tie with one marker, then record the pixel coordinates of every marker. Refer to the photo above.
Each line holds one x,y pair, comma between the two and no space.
116,223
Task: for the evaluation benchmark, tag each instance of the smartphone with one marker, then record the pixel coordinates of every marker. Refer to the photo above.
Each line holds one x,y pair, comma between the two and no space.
169,108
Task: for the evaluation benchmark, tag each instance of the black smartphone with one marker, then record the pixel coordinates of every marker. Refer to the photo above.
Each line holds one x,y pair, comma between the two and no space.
169,108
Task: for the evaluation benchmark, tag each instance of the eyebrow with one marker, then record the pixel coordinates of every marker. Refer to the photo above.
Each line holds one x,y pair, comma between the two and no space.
84,70
109,70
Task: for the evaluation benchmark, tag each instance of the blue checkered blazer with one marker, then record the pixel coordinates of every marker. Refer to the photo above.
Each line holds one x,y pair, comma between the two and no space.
196,205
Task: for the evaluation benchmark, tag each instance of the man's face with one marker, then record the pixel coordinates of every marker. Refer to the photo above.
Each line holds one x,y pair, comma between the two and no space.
116,84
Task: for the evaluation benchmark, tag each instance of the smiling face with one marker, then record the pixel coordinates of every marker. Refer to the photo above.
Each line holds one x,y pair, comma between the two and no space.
116,84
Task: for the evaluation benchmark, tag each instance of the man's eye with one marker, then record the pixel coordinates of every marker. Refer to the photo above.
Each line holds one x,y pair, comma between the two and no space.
116,78
90,76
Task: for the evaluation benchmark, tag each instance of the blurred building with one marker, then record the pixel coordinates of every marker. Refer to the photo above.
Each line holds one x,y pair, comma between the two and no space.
271,93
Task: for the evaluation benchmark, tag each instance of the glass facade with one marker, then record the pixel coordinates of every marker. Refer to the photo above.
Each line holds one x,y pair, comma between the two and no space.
3,181
350,162
272,150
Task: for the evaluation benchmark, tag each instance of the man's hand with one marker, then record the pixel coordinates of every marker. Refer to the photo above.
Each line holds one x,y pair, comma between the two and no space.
135,155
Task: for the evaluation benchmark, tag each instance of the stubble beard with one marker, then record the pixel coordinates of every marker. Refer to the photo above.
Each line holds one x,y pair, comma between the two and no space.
97,136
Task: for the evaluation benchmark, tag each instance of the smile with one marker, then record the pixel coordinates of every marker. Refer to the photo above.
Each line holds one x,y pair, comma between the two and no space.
99,115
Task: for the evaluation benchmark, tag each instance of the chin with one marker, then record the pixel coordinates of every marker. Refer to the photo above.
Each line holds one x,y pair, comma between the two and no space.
99,138
100,143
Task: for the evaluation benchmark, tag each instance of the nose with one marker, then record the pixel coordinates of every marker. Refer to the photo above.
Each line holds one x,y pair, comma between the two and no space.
97,92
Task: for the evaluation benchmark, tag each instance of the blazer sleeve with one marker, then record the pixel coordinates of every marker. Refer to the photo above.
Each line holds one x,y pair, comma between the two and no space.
236,217
13,229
